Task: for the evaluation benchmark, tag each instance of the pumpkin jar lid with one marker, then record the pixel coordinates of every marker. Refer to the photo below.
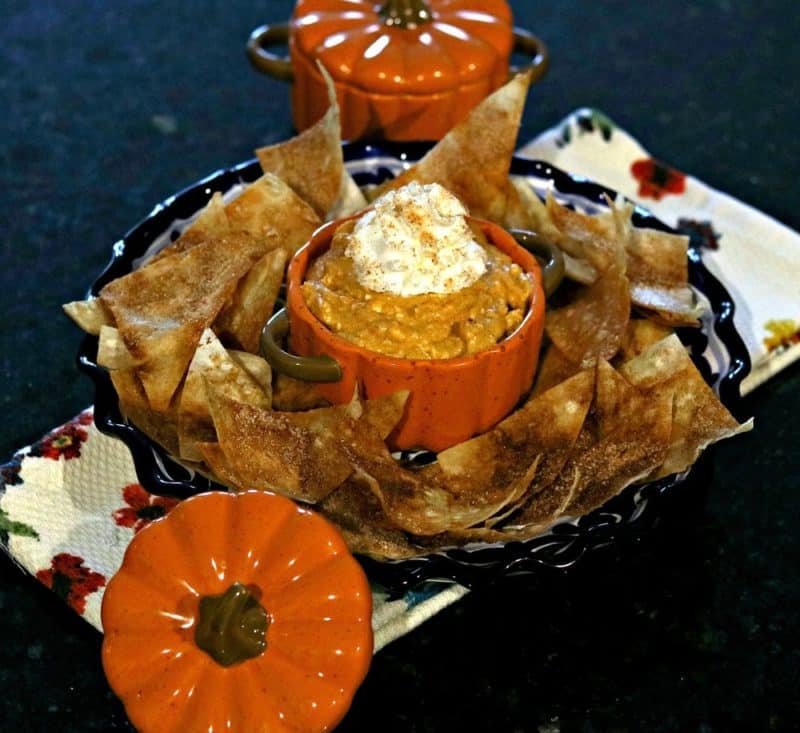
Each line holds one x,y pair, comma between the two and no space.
237,612
405,46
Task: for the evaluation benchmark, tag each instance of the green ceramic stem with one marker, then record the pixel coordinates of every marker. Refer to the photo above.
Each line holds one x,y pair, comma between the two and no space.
405,13
232,626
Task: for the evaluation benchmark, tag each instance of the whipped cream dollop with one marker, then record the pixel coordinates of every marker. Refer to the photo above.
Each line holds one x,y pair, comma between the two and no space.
416,240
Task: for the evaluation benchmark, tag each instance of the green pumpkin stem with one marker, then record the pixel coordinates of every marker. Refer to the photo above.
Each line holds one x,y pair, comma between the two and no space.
232,626
406,13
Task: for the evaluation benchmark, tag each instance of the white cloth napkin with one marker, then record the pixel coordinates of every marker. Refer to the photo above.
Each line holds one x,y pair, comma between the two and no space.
70,503
753,255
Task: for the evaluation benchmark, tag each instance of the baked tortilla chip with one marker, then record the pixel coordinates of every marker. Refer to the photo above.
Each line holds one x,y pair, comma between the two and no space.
313,166
525,210
220,467
699,418
476,480
634,435
161,309
593,325
160,426
591,238
211,223
356,511
257,367
240,322
275,451
90,315
299,454
622,440
290,395
547,425
658,271
544,507
269,208
553,369
473,160
112,353
640,334
211,365
384,413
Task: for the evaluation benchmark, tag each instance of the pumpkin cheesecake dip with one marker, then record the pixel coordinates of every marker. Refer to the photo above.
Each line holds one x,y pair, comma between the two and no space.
415,279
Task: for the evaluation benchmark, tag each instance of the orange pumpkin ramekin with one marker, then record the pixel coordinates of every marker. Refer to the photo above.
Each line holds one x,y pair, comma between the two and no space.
182,649
403,69
450,399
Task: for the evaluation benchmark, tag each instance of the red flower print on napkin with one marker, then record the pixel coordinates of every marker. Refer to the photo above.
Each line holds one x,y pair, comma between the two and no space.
656,179
65,441
71,580
142,508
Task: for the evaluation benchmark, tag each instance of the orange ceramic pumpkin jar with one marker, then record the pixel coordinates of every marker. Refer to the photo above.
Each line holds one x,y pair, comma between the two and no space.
237,612
450,399
403,70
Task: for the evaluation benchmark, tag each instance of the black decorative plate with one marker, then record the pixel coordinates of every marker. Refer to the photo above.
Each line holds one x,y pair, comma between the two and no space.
717,349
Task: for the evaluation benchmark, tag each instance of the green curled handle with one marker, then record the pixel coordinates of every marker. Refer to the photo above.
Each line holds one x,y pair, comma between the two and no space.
549,256
260,40
530,45
307,368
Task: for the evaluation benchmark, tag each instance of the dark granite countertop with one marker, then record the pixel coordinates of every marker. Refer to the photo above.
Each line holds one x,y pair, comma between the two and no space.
109,107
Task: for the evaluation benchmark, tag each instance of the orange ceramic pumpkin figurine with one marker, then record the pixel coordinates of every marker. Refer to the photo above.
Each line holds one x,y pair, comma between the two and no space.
404,70
237,612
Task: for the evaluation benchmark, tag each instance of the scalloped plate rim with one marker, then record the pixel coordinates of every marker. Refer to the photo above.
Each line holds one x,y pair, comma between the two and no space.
458,564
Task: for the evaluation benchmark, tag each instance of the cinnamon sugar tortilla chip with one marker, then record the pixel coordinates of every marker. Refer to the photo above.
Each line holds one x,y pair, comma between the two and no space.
640,334
160,425
558,416
211,365
290,394
312,163
473,159
241,320
593,325
658,271
622,441
525,210
271,451
672,307
220,467
423,503
546,425
384,413
356,511
553,369
699,418
476,480
257,367
590,238
90,315
634,436
546,506
269,208
112,352
162,308
300,454
211,223
213,220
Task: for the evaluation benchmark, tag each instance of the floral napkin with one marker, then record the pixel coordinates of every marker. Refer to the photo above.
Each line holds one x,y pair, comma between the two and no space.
70,503
755,257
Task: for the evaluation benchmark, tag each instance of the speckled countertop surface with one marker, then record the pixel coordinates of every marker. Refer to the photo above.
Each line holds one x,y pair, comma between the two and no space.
109,107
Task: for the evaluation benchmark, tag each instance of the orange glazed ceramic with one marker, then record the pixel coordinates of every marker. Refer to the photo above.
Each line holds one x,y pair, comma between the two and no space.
403,69
237,612
451,399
